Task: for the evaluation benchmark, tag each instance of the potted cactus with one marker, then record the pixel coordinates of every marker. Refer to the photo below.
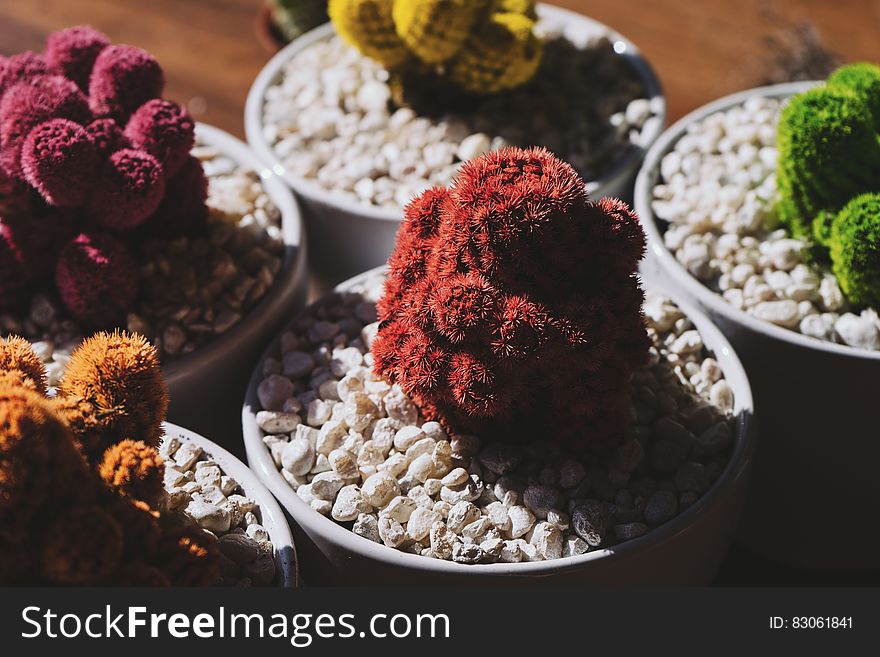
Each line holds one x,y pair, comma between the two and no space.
496,407
393,96
116,210
82,487
281,21
780,247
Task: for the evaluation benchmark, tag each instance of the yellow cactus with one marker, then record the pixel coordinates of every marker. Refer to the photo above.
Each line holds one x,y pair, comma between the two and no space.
368,26
502,54
524,7
435,30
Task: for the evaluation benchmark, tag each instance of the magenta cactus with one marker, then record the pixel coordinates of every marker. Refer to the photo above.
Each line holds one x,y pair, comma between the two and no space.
130,187
14,269
512,304
163,129
107,137
123,78
27,104
97,279
73,52
73,162
59,159
183,210
22,66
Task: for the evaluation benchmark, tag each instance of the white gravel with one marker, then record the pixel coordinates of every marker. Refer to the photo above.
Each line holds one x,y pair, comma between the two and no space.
716,193
360,453
330,120
197,487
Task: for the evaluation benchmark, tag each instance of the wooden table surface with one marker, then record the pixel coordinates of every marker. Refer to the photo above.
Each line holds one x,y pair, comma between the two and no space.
701,49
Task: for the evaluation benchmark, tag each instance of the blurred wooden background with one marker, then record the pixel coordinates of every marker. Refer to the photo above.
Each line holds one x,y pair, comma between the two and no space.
702,49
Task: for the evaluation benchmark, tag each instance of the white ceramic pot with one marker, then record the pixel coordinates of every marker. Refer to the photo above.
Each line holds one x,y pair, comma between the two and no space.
348,237
815,472
204,393
687,550
271,515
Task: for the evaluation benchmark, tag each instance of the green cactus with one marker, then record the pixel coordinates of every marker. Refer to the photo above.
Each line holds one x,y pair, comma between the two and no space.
829,152
863,80
293,18
855,250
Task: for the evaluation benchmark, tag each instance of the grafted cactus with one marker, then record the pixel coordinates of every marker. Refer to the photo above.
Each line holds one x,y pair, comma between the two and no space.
863,80
435,30
855,250
503,54
119,378
484,46
829,150
368,26
86,144
76,512
512,304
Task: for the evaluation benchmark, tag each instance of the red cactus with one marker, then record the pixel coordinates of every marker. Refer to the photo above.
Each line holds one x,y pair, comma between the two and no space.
59,159
512,303
97,279
123,78
163,129
107,136
73,52
130,188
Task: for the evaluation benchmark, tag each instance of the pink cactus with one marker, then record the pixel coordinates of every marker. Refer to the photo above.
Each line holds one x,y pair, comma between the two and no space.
60,161
73,52
27,104
123,78
129,189
107,137
163,129
97,279
23,66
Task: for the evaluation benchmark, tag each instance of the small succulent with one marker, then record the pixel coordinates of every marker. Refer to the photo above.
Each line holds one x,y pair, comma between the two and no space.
86,508
482,46
829,149
89,148
855,250
829,176
512,302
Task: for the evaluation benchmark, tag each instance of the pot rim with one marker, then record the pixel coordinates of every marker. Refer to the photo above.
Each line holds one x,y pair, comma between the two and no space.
293,267
260,459
667,262
273,519
253,114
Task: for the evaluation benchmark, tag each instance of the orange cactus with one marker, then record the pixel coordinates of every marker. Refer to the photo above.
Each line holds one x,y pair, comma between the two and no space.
120,380
134,469
18,359
66,520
